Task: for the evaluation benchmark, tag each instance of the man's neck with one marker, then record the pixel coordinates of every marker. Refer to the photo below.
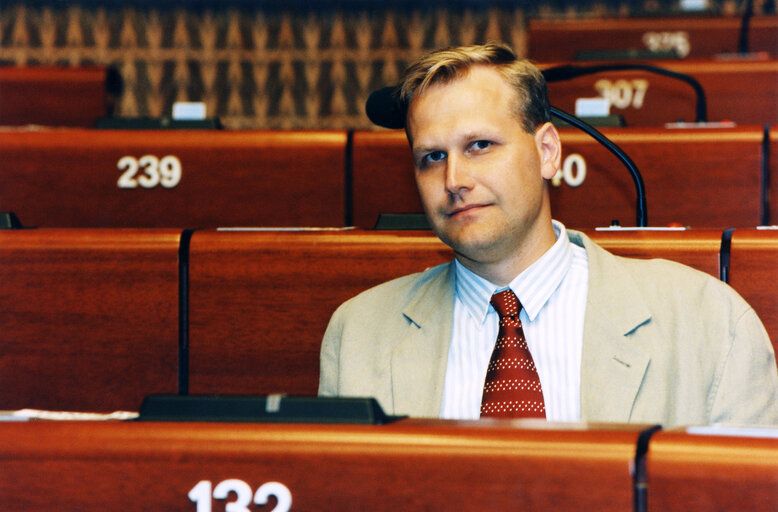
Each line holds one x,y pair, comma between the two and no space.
501,271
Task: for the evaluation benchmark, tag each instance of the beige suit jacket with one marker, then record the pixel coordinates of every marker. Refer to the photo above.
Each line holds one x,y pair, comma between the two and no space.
662,343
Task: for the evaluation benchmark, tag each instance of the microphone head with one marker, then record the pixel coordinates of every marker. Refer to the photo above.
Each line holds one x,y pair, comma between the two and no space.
383,109
560,73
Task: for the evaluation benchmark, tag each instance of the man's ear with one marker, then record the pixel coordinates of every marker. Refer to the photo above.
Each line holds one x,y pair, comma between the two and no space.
549,149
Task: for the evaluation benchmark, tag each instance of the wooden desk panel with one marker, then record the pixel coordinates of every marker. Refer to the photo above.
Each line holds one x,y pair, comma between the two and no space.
690,37
693,177
743,92
73,178
403,466
696,177
754,273
89,319
697,248
248,292
703,472
382,176
52,96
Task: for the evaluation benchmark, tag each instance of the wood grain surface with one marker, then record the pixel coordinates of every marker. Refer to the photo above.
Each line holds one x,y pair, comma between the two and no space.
706,36
69,178
260,301
745,92
704,178
497,465
712,472
754,274
52,96
88,318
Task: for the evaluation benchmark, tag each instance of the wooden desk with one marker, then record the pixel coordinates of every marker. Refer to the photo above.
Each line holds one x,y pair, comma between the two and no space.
53,96
382,176
754,273
408,465
89,319
705,472
173,178
248,292
744,92
692,37
697,248
696,177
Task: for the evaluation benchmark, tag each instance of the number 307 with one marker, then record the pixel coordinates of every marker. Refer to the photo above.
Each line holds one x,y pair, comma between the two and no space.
149,171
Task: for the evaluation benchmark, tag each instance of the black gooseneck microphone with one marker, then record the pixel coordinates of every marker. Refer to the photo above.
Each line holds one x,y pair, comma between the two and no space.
641,213
569,71
745,22
383,109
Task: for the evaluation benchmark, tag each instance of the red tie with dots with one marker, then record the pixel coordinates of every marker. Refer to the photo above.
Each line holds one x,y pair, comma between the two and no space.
512,387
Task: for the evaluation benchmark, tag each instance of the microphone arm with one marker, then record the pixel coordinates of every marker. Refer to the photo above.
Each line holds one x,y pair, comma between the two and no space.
568,72
748,12
641,212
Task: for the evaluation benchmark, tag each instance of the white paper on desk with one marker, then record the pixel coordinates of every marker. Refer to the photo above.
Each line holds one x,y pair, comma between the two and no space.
715,430
38,414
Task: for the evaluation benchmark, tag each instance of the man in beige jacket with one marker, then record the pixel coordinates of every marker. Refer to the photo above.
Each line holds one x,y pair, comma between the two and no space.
614,339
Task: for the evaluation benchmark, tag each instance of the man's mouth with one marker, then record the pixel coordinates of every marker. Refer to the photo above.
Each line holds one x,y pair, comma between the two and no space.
464,209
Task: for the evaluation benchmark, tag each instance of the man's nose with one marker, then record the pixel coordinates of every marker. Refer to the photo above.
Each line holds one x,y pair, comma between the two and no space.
458,175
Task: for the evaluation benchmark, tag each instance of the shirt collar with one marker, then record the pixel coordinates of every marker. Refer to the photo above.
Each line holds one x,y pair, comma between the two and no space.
533,287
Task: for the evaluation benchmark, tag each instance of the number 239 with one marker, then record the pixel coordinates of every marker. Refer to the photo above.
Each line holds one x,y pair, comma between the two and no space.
149,171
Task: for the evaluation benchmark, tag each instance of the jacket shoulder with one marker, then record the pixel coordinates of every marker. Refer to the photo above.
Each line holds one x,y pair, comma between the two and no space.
394,294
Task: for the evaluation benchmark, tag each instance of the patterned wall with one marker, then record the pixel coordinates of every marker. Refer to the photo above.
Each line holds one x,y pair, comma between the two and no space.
257,68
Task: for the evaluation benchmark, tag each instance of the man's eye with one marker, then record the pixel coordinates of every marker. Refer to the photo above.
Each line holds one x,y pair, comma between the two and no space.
480,144
435,156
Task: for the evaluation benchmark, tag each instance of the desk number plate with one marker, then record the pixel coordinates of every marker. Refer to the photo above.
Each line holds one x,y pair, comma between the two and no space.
204,493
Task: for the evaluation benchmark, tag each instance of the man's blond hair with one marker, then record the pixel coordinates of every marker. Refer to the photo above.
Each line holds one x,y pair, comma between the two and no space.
531,106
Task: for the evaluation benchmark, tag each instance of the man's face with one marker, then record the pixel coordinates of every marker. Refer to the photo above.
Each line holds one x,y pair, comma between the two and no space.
480,175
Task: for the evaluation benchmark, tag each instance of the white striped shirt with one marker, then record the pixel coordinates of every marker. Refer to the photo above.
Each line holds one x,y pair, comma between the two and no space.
553,293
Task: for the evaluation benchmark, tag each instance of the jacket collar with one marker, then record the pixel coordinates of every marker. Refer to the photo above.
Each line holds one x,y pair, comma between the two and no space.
419,360
613,364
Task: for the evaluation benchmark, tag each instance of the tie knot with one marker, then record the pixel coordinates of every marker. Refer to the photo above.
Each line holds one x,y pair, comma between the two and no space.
506,303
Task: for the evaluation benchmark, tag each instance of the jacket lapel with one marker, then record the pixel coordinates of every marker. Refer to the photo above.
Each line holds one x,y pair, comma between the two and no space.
419,360
613,364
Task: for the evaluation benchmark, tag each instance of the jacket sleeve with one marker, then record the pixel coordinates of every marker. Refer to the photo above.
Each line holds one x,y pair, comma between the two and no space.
747,391
329,360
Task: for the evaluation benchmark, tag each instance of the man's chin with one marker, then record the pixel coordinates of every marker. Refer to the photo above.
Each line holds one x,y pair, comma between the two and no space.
475,248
